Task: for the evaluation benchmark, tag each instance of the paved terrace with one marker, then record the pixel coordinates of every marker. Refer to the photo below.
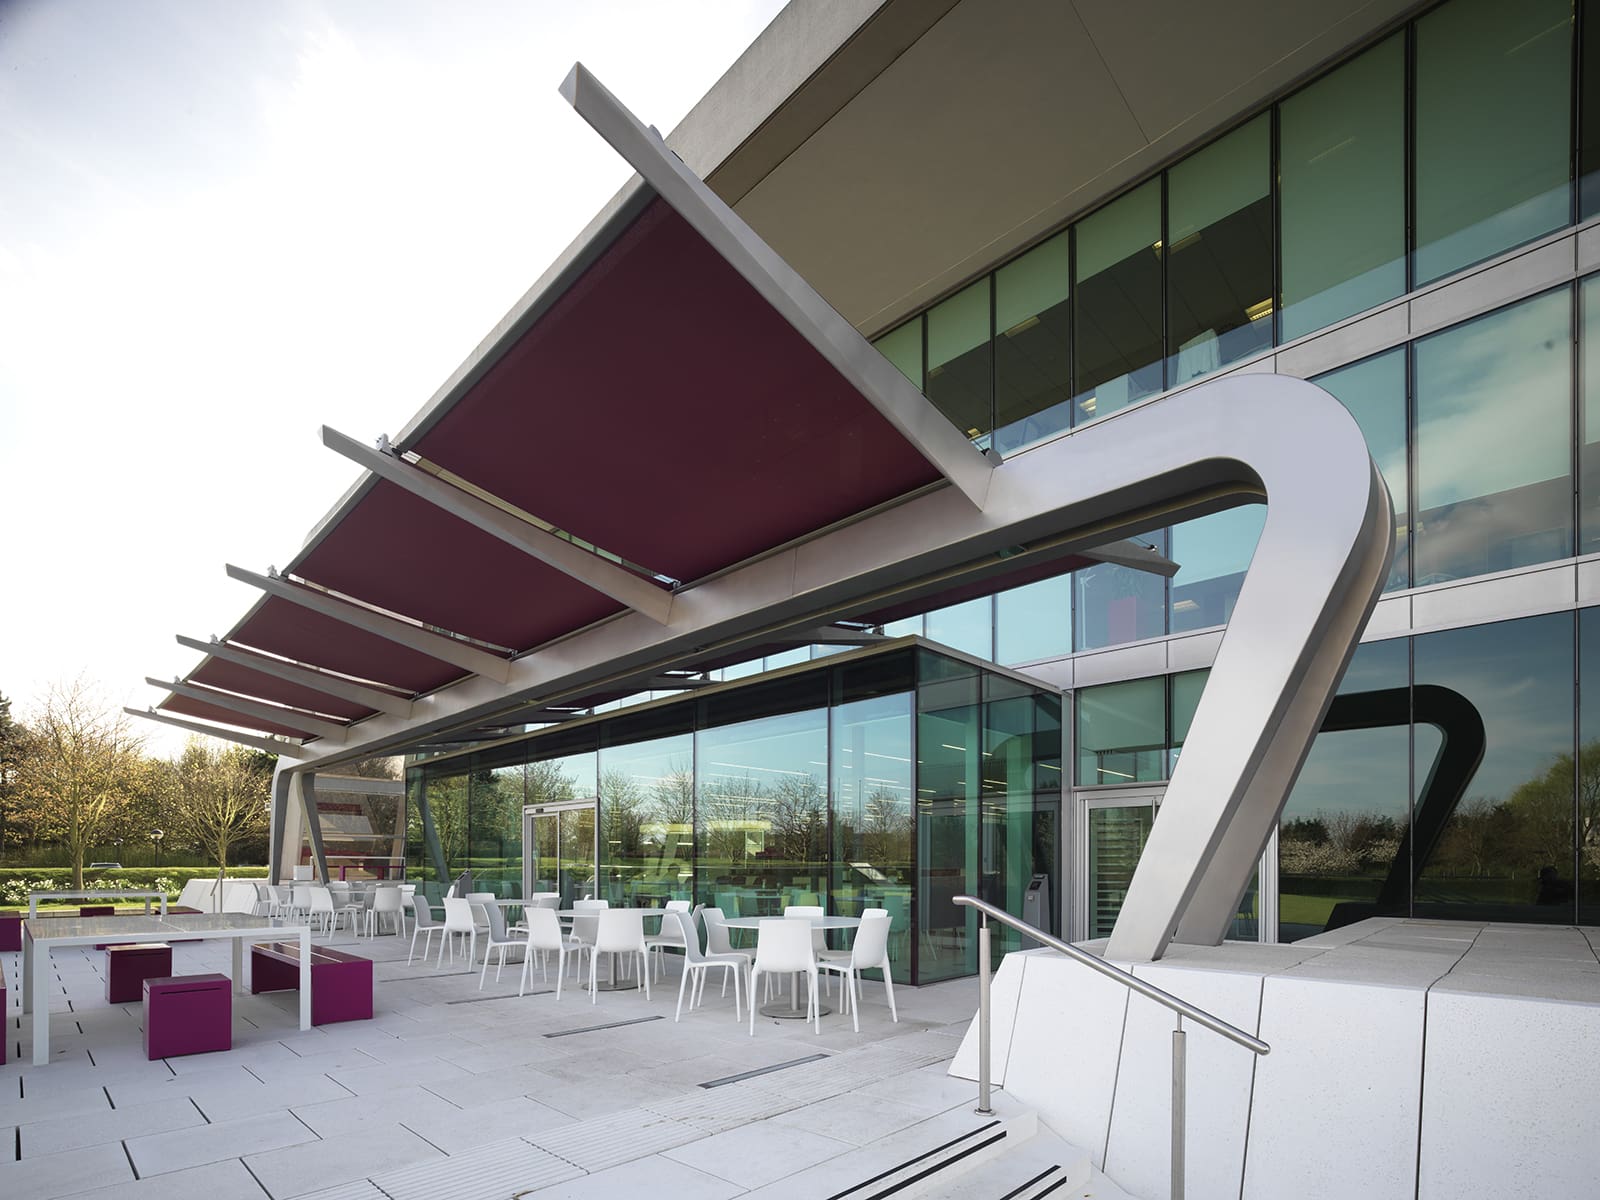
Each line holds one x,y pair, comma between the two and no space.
453,1092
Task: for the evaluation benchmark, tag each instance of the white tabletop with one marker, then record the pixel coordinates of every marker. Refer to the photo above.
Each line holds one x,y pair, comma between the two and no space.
818,922
99,894
44,934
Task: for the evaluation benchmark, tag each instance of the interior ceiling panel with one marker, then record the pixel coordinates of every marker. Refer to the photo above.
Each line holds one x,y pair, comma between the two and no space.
290,631
233,677
400,553
663,411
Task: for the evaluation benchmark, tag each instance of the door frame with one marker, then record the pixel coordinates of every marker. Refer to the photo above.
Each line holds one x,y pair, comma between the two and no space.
1084,799
555,808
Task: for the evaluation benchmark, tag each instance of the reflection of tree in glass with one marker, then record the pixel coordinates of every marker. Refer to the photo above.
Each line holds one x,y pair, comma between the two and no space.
1338,842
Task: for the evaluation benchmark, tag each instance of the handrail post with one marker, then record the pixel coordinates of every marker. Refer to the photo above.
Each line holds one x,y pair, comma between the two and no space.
983,1013
1178,1104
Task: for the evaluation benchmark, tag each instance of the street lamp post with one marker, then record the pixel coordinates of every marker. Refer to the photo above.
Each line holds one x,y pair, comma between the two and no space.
155,838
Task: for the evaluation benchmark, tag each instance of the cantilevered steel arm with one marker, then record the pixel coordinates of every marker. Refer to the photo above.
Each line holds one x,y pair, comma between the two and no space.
317,681
878,380
587,568
468,658
284,749
291,717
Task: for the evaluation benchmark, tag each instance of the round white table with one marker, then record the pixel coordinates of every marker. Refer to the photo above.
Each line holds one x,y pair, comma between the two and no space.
793,1010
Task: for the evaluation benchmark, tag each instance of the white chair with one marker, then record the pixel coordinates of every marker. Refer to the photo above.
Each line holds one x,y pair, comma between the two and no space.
266,902
618,933
819,939
669,937
783,947
501,939
544,936
300,901
324,917
697,962
458,920
408,895
386,902
423,922
718,942
871,949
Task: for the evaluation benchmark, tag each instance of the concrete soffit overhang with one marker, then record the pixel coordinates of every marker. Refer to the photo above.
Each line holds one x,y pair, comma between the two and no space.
1317,572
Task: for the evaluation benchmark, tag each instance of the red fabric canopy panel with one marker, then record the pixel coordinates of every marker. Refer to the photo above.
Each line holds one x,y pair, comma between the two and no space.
232,677
297,633
662,410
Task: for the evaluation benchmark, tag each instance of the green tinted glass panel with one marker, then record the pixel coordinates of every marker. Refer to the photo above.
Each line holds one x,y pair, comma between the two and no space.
1494,129
1588,833
1187,688
1213,553
762,820
1504,846
1494,441
1033,382
959,348
1374,391
647,821
1342,180
1341,833
1118,305
1116,839
1589,413
1113,604
1219,253
968,627
1589,115
1034,621
1122,732
903,347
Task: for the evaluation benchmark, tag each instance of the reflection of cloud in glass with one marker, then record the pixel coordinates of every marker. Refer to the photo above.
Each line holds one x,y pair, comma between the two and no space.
1492,402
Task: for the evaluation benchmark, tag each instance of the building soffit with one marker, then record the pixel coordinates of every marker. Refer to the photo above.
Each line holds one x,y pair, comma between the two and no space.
1006,118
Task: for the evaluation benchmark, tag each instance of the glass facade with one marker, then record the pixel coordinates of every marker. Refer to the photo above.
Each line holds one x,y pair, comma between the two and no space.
895,778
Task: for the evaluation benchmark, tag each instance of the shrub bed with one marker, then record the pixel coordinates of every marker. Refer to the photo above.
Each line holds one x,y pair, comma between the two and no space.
17,882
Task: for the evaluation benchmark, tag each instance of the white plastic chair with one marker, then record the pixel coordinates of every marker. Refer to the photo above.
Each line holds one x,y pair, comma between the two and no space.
481,902
669,938
300,901
819,938
618,933
501,939
266,902
386,902
320,911
697,962
423,922
544,936
458,919
871,949
718,942
783,947
408,895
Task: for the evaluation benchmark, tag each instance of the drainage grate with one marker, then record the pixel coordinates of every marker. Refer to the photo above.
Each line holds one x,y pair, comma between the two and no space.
481,999
597,1028
727,1079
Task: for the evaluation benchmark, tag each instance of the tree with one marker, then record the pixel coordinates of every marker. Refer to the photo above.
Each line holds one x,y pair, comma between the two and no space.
14,741
79,775
219,798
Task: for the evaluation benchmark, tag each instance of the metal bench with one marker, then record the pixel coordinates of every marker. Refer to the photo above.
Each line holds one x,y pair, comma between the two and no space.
341,983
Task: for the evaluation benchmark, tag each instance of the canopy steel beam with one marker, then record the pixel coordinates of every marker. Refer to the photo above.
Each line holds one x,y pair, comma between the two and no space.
1134,555
317,681
292,717
587,568
434,645
856,359
284,749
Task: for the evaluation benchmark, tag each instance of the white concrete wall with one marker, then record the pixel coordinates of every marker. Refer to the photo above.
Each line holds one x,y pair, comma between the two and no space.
1410,1059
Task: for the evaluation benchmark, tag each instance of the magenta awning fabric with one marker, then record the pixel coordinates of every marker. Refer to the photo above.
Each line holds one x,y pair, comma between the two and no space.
232,677
662,410
185,706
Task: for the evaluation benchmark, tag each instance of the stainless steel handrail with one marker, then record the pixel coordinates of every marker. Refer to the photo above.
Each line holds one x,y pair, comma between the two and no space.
1180,1008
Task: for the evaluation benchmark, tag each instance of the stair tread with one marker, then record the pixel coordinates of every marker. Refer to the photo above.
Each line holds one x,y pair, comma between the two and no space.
1020,1163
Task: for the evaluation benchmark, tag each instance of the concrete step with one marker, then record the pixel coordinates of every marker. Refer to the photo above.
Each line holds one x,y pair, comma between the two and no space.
924,1159
1044,1165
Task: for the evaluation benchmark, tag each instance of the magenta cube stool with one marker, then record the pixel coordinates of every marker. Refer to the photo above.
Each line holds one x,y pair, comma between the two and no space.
97,910
187,1014
5,1015
127,967
10,931
341,983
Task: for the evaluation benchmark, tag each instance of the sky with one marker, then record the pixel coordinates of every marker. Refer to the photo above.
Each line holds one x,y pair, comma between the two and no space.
223,225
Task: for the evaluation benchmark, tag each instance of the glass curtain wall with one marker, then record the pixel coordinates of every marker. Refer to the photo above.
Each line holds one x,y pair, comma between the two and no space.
1033,328
1118,328
895,779
1341,166
1213,553
1493,129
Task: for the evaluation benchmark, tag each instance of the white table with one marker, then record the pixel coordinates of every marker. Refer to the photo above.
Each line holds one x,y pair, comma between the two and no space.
794,1010
50,933
103,894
